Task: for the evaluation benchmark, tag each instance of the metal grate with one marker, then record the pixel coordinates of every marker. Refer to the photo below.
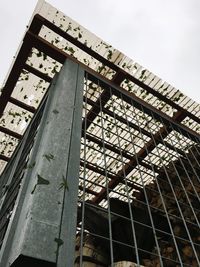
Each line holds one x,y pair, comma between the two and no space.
139,184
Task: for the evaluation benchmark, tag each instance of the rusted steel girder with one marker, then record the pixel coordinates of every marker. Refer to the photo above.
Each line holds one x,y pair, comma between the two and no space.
35,27
10,132
123,74
128,167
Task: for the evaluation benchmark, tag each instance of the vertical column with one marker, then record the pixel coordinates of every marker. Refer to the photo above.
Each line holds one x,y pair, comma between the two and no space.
44,222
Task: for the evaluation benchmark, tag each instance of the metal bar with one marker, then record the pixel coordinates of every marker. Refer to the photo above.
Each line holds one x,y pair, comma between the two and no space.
38,73
11,229
117,151
84,126
126,185
104,97
188,178
44,219
14,166
10,132
87,190
93,113
107,189
145,194
4,158
161,196
129,97
60,56
163,98
22,105
178,205
107,145
134,126
119,118
45,47
106,62
95,168
69,215
17,67
74,41
14,74
132,163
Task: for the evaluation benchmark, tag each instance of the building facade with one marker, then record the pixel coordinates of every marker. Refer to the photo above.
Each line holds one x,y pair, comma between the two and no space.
99,159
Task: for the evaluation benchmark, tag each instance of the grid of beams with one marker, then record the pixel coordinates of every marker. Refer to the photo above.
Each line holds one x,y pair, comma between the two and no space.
32,39
134,158
139,191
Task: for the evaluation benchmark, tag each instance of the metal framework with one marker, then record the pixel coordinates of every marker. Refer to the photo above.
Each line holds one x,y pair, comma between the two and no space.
137,195
139,190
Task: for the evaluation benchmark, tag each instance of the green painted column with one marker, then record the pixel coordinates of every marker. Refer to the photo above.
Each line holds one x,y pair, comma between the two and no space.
43,225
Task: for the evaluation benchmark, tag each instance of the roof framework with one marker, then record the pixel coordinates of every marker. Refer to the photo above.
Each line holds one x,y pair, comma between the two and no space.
139,142
50,39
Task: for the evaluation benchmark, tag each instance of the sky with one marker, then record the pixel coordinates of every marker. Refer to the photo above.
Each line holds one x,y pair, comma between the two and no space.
161,35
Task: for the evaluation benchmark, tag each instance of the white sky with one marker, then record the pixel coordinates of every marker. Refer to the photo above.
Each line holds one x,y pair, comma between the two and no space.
161,35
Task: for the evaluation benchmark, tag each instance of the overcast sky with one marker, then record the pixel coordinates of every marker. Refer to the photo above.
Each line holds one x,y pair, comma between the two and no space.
161,35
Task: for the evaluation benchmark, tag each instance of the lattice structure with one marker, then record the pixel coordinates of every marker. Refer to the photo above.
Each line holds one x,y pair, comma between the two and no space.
138,186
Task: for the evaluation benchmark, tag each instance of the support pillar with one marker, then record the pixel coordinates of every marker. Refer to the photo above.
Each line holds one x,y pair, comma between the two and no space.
43,224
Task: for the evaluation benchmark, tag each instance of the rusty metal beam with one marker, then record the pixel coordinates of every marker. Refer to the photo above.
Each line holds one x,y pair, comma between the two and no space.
128,156
148,147
101,101
88,190
34,29
134,126
32,40
57,54
45,47
120,74
11,133
100,171
94,111
14,74
22,105
107,145
124,153
60,56
4,158
37,73
106,62
163,98
36,25
74,41
119,118
18,66
140,104
95,168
